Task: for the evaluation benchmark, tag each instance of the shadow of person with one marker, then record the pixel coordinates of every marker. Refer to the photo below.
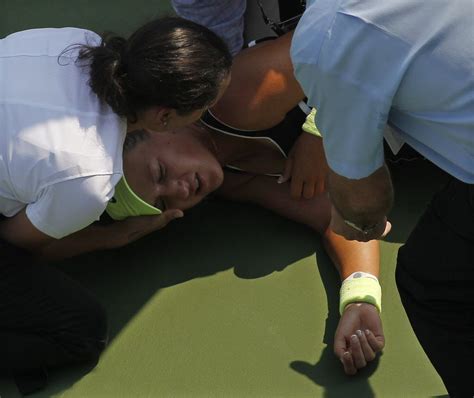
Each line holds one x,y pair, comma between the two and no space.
214,237
328,371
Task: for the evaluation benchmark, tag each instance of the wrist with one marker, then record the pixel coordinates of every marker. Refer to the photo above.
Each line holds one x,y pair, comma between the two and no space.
360,287
358,304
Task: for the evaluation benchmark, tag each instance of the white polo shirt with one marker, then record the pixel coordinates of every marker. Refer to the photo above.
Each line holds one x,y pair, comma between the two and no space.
60,147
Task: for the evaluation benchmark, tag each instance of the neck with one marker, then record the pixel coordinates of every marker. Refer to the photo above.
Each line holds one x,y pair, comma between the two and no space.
133,126
224,150
228,150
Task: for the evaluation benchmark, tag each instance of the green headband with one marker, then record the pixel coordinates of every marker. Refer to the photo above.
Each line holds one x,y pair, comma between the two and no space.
125,203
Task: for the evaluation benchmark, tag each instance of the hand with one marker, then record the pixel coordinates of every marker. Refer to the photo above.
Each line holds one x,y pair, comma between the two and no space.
133,228
306,166
341,228
359,336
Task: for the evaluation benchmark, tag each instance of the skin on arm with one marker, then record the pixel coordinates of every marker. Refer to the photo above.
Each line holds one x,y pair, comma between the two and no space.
352,344
262,91
364,202
19,231
263,87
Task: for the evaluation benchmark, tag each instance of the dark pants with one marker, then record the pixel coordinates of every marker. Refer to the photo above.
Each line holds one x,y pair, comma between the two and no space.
47,320
435,278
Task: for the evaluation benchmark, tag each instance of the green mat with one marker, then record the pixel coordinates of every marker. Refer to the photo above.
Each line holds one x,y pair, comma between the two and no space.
231,300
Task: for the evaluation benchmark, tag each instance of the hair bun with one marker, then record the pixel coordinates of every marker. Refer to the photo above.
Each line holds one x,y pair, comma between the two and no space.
115,47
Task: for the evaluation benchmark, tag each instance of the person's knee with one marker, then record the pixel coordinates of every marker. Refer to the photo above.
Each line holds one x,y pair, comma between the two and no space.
94,331
84,335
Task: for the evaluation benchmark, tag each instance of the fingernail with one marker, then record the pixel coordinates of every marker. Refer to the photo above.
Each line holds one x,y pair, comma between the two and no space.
347,354
367,332
359,333
354,338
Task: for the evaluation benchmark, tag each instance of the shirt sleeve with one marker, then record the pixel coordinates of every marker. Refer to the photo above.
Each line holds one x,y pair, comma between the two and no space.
69,206
351,81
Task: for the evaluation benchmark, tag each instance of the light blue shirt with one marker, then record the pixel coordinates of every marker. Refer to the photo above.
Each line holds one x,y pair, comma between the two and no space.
363,63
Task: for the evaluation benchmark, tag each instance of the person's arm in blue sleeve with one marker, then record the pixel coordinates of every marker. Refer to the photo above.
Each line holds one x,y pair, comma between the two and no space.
351,75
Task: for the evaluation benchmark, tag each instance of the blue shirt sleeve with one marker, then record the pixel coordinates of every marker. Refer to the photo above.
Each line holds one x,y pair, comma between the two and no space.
350,71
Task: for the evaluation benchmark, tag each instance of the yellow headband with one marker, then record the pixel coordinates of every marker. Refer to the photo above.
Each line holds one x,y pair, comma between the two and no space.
125,203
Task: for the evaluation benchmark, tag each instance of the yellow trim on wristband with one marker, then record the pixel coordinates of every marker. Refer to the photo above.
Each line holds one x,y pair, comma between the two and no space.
309,125
365,290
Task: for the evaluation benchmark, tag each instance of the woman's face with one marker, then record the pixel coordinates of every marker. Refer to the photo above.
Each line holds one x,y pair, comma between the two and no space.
173,170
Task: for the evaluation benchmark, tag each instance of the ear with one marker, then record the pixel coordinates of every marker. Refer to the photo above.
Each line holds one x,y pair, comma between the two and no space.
162,115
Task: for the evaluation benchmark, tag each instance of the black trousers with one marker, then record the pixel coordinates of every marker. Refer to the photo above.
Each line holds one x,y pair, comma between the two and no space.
47,320
435,279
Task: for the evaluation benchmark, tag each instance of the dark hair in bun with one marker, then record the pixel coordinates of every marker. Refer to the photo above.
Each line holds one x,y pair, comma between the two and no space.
170,62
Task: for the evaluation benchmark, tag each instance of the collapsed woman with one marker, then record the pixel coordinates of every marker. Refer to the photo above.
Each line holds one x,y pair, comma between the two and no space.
176,170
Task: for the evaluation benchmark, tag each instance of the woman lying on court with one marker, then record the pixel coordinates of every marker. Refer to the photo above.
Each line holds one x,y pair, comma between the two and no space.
176,170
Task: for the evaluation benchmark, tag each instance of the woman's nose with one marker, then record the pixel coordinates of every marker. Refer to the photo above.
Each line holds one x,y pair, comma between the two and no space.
179,189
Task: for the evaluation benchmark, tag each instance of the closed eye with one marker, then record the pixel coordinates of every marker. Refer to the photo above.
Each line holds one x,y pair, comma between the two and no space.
160,179
162,173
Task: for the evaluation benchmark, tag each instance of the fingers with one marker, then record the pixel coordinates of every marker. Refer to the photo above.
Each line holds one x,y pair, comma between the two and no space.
319,187
357,354
341,351
166,217
348,363
296,188
363,348
367,350
287,172
308,190
376,343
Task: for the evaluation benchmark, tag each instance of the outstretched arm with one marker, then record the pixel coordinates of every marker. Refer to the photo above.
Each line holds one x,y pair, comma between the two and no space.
354,346
19,231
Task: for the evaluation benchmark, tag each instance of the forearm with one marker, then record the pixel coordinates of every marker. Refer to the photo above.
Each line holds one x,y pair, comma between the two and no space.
266,192
111,236
91,238
347,256
352,256
364,202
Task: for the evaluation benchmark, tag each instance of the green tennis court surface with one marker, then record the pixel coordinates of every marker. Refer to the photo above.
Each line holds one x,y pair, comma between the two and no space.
231,300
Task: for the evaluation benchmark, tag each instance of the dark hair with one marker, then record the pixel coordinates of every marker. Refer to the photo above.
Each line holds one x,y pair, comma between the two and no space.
133,138
170,61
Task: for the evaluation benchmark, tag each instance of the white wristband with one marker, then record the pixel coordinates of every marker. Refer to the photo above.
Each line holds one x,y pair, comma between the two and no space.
360,287
360,274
